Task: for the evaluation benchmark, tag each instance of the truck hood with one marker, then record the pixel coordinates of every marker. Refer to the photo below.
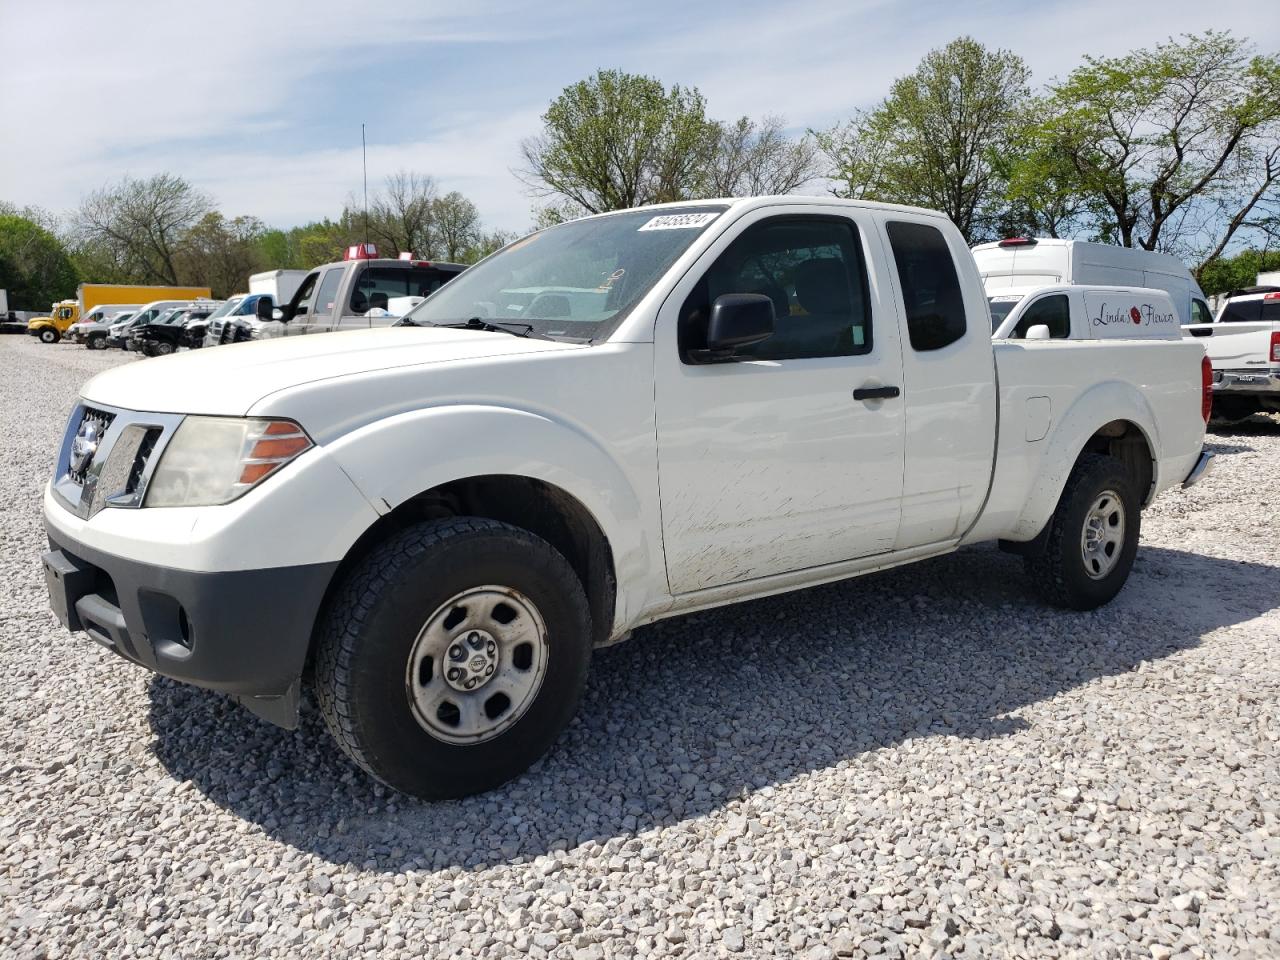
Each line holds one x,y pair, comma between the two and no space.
229,380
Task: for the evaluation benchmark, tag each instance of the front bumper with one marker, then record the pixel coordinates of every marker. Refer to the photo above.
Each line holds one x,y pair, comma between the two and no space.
1204,467
242,632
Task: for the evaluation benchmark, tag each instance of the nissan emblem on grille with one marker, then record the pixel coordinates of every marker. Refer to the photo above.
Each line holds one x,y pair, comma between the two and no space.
84,447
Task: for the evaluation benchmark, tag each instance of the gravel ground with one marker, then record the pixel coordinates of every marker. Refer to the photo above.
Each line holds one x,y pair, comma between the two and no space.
918,763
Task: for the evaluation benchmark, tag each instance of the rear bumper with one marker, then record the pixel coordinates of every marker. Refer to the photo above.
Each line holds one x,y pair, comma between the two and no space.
242,632
1203,467
1246,382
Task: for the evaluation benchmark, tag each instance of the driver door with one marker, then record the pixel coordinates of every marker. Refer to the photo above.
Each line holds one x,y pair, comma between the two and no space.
769,464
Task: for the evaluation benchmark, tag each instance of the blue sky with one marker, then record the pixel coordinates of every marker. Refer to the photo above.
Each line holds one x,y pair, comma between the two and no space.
260,103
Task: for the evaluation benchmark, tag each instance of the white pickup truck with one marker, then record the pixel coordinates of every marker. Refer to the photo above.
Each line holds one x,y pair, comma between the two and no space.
682,407
1243,344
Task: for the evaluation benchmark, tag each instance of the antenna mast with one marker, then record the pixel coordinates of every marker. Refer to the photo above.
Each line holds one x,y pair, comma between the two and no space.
364,161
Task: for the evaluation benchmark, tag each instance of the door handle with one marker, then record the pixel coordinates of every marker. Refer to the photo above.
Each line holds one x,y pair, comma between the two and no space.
876,393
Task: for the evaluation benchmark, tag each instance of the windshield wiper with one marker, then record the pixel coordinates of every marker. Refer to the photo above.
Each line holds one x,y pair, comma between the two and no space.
496,326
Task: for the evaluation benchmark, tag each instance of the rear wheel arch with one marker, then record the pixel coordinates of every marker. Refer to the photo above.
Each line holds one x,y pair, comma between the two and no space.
1127,442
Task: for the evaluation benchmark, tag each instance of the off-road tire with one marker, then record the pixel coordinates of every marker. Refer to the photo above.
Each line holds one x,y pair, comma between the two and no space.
368,629
1058,572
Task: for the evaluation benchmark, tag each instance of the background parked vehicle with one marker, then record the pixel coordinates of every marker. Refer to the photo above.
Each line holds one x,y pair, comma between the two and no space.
97,318
48,329
168,332
1082,313
11,321
1036,261
280,285
1243,344
94,335
341,296
89,295
117,332
236,320
705,403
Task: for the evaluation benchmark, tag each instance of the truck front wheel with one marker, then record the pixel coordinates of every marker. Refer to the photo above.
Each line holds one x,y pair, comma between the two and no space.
451,657
1092,538
49,335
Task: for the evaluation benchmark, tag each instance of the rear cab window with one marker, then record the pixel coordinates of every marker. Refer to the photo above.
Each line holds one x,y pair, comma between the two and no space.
931,292
375,287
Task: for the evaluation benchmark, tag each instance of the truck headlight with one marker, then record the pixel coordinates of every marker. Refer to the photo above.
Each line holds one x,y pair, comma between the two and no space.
214,460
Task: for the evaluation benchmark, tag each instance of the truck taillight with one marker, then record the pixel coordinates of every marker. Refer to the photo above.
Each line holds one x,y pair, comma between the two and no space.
1275,346
1206,387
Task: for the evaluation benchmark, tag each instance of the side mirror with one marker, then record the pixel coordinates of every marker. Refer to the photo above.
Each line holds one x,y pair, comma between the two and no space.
263,308
1039,331
737,320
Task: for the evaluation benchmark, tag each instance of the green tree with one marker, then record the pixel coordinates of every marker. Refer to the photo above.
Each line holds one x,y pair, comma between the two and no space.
1231,273
456,227
221,253
1177,147
401,216
619,140
137,226
35,267
758,159
937,138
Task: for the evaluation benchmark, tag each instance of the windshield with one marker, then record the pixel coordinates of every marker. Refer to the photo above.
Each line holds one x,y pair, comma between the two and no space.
226,308
575,281
247,306
1001,307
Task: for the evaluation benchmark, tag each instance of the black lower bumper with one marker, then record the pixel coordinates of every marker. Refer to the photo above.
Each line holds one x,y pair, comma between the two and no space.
243,632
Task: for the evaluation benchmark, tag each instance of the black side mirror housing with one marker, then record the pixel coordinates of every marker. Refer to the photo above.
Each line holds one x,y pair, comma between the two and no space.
263,308
737,320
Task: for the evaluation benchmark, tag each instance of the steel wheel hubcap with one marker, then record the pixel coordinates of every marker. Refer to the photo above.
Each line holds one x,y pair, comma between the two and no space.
477,664
1102,538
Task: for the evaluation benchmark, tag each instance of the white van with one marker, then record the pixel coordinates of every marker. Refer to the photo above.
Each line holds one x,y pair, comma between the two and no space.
1035,262
1068,312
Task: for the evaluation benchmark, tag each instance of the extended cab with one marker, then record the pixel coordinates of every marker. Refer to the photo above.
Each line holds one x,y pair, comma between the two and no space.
608,422
1243,344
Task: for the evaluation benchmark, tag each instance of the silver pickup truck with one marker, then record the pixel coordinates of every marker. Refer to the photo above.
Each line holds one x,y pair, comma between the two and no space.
1243,343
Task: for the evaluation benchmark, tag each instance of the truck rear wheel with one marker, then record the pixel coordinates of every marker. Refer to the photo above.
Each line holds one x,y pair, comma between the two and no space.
1092,538
452,656
49,335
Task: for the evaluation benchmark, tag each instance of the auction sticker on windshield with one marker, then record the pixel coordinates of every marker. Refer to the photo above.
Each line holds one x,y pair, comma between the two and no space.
679,221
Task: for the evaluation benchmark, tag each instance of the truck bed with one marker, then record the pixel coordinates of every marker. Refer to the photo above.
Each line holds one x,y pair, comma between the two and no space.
1050,390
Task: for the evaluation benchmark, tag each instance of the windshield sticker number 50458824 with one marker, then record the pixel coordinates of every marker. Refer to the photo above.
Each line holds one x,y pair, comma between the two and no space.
679,221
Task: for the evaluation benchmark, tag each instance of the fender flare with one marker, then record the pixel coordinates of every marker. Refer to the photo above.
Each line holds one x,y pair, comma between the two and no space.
1099,405
393,460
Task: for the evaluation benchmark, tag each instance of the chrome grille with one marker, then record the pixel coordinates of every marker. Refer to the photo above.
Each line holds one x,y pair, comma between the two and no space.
108,456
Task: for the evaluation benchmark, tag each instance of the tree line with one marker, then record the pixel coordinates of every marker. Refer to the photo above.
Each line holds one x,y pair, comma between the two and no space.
1173,148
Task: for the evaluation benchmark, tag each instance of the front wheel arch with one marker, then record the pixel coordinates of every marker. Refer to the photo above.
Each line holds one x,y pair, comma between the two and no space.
541,508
